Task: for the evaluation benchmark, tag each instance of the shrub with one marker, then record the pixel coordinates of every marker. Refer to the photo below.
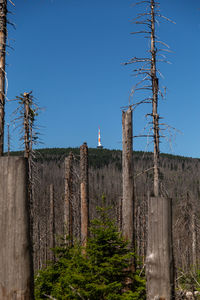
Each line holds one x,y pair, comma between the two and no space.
101,271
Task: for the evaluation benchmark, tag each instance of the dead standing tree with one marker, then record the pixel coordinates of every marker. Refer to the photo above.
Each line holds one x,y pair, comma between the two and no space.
52,221
159,262
68,207
84,193
127,178
8,139
29,111
155,116
26,114
3,38
25,119
16,273
160,268
186,233
3,35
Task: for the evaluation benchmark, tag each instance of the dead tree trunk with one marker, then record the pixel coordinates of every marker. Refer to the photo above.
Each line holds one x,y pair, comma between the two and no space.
52,220
28,154
39,246
194,241
8,141
84,193
155,115
148,71
127,178
68,211
119,214
16,270
26,125
159,260
3,34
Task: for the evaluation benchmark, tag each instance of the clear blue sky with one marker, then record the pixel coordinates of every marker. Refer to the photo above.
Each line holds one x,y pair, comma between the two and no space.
70,53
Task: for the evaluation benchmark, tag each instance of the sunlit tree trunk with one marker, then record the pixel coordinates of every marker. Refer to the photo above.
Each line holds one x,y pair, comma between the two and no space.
84,193
155,115
127,178
68,210
3,33
159,261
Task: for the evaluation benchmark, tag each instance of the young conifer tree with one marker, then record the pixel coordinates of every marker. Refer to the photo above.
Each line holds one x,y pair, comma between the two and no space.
100,274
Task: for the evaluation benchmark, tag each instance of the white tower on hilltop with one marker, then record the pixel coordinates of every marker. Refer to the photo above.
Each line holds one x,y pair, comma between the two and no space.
99,140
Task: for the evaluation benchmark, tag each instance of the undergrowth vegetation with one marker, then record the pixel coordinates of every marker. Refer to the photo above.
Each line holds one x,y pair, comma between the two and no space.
103,270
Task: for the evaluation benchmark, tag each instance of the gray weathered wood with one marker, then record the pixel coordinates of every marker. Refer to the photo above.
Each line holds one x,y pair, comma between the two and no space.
194,241
52,221
159,260
27,128
68,208
16,275
127,178
84,193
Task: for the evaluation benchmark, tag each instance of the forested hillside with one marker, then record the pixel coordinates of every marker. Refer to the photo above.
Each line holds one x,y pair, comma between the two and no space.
182,183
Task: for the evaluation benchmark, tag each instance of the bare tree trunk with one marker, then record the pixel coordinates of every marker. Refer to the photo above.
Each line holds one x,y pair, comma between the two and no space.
8,129
16,269
159,260
3,34
155,115
138,229
68,211
27,154
46,244
128,182
52,220
119,214
39,246
26,126
84,193
194,241
144,228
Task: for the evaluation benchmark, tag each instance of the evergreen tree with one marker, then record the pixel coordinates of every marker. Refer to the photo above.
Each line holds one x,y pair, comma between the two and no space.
99,272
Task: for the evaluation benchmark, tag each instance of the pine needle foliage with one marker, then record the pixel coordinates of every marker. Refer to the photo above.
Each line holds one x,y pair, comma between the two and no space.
99,272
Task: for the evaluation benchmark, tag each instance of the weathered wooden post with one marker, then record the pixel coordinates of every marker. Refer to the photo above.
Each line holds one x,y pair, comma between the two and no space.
68,210
159,259
127,178
84,193
16,270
